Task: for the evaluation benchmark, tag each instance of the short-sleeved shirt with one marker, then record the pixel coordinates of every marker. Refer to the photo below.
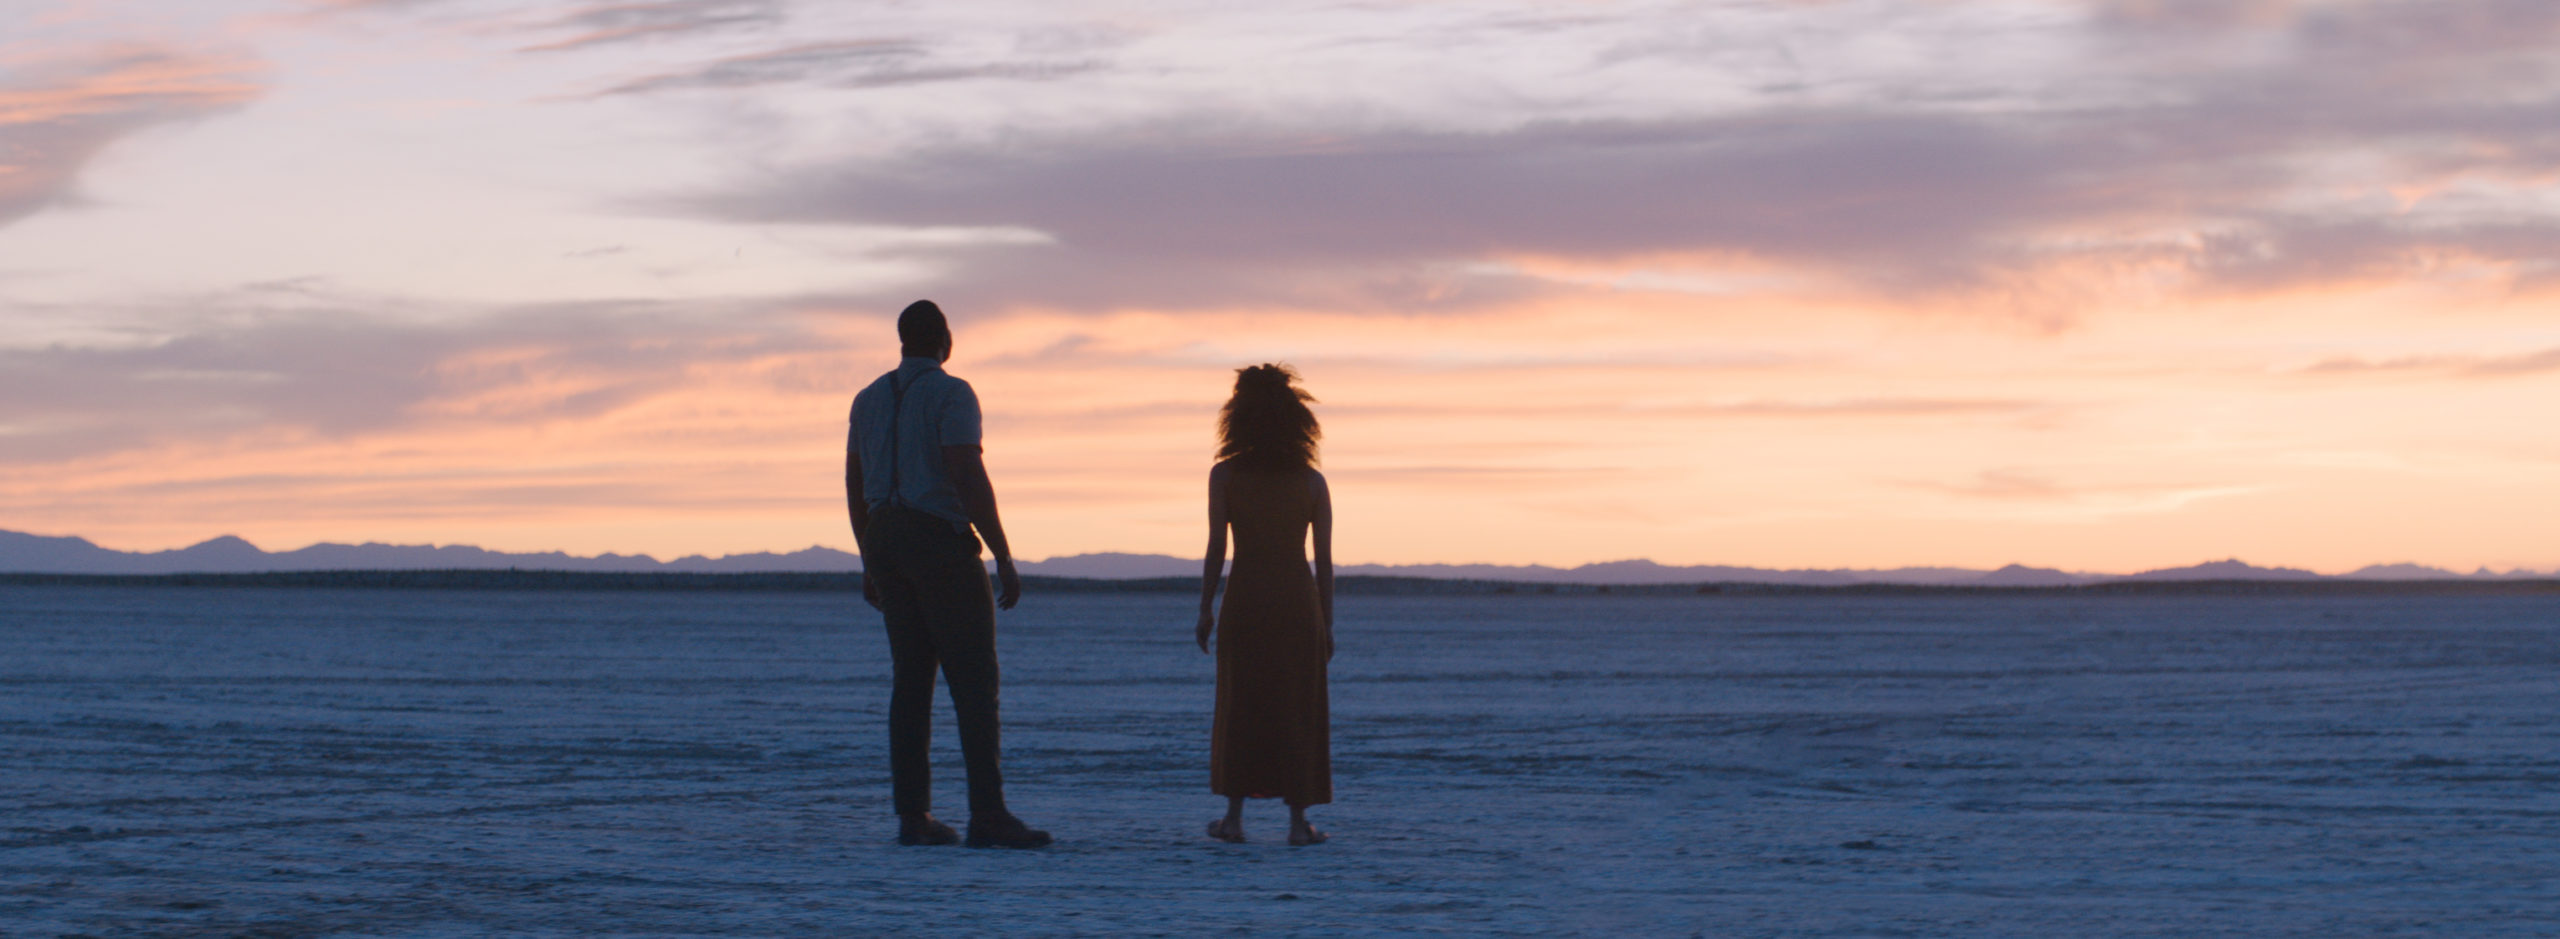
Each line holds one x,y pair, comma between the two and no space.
902,459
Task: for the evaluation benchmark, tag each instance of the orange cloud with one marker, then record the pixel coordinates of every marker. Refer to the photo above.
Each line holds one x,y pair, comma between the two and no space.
1797,436
64,110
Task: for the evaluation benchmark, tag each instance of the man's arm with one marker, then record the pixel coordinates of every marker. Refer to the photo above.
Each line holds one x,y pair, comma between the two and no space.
967,467
857,511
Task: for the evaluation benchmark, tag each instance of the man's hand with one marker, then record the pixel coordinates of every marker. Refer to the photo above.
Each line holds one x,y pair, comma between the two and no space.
968,469
870,591
1010,582
1208,623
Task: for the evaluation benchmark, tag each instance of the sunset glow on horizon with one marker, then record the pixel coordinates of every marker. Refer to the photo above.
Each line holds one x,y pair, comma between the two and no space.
2104,285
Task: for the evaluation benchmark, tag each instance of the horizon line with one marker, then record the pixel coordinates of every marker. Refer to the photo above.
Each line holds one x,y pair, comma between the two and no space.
2509,571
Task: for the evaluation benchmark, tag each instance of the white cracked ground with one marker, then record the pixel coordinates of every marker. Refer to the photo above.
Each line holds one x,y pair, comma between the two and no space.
309,762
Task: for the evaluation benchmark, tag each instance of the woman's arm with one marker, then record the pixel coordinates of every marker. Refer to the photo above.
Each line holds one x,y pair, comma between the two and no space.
1216,561
1324,555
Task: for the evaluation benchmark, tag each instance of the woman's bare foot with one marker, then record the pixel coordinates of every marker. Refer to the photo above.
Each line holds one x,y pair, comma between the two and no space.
1302,834
1228,830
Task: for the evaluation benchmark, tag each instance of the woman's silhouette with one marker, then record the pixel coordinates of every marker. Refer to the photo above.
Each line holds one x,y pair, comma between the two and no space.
1272,736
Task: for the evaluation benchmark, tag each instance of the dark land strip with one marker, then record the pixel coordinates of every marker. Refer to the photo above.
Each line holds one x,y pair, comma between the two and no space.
784,582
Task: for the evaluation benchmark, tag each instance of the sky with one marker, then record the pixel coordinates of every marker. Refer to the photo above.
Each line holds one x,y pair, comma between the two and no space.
2105,285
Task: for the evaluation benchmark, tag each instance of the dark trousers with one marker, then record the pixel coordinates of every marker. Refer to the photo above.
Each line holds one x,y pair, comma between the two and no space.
941,615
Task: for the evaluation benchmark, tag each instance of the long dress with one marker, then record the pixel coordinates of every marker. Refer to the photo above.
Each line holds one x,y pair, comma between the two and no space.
1272,734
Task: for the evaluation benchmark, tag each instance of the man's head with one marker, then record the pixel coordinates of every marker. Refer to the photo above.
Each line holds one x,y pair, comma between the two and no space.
923,331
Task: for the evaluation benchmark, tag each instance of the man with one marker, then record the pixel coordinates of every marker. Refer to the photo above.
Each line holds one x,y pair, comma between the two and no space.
915,483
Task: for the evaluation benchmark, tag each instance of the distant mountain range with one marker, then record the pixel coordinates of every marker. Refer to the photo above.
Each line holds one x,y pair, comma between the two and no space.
39,554
230,554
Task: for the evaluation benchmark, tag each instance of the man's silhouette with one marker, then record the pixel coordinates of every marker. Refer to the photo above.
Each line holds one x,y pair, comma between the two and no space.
914,483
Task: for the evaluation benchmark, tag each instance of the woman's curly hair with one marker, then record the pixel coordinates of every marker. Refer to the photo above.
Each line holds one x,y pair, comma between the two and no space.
1266,423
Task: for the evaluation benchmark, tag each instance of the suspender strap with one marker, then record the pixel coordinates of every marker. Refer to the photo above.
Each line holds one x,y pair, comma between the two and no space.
897,410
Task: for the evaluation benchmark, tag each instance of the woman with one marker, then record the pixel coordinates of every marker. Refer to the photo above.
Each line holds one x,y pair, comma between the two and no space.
1271,737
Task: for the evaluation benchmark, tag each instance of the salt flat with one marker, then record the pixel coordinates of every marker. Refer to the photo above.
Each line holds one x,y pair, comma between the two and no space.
314,762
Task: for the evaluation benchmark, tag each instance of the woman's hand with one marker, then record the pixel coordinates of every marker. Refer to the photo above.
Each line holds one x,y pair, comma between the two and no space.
1208,622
